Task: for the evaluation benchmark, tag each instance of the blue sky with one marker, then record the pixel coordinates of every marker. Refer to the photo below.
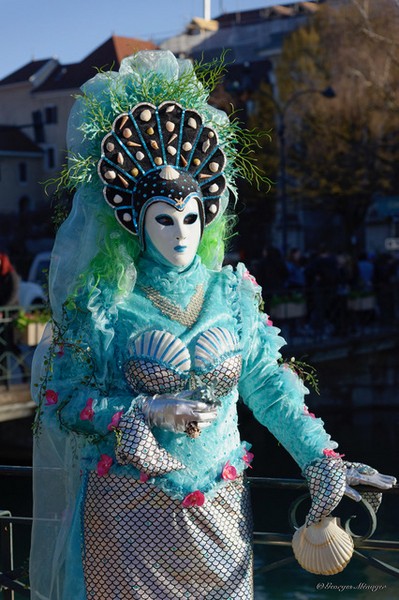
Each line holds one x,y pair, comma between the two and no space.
71,29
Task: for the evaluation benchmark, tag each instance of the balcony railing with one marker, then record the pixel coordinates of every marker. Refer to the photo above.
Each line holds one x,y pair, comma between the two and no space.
15,579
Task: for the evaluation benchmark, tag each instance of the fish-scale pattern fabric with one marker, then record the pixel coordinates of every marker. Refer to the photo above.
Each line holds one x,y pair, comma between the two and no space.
142,545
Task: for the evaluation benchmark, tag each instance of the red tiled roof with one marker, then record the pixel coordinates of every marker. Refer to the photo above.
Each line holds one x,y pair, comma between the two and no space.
107,56
72,76
125,46
13,139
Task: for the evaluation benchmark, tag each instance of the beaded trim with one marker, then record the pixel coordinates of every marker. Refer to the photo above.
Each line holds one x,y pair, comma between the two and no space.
185,316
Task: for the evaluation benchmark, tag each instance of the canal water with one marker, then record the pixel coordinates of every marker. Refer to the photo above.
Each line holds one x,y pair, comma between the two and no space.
364,420
359,404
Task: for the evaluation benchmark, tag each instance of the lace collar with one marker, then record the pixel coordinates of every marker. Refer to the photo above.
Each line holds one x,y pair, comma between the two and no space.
169,281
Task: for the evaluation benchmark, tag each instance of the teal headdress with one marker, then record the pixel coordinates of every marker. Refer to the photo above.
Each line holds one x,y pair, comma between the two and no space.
102,257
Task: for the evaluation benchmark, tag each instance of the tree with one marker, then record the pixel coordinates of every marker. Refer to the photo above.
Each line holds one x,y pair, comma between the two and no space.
340,153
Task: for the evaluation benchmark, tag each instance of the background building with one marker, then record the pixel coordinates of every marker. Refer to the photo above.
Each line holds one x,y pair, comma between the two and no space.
35,102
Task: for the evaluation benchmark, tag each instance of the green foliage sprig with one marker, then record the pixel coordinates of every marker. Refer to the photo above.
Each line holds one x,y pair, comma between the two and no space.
192,88
240,149
306,372
79,170
211,74
82,354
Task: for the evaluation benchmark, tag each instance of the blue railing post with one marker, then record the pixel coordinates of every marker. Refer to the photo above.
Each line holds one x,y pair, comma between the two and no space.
6,553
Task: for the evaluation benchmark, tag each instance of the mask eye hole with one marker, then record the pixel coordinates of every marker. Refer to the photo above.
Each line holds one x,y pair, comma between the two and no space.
165,220
190,219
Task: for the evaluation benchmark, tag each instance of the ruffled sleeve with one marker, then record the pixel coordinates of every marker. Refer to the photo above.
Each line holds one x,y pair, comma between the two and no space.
79,389
82,390
273,392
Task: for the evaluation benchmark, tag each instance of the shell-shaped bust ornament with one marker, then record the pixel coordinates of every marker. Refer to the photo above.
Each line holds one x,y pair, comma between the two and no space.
323,548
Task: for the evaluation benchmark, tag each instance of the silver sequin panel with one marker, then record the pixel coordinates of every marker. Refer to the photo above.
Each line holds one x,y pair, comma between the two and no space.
140,544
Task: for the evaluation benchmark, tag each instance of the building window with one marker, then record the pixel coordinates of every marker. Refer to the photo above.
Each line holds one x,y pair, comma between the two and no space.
50,157
50,115
23,172
24,205
38,128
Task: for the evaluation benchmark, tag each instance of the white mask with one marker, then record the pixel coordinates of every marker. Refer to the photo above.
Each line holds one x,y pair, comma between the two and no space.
175,234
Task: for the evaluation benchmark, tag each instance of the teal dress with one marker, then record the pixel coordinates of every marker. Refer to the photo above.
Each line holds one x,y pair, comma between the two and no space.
153,514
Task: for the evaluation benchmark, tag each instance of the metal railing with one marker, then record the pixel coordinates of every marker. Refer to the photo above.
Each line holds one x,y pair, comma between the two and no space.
16,579
20,331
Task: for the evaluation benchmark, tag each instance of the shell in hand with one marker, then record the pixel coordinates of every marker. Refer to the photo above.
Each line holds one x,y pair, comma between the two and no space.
323,548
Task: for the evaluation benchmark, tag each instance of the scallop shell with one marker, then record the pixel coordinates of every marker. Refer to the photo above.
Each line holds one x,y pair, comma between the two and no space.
169,173
323,548
214,343
162,346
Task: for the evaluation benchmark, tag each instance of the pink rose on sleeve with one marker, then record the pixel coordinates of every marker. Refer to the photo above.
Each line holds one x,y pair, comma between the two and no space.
306,411
247,275
331,454
248,458
104,465
229,472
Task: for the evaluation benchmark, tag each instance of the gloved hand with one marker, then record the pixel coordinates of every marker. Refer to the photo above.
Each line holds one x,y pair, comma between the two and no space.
360,474
189,411
330,478
327,481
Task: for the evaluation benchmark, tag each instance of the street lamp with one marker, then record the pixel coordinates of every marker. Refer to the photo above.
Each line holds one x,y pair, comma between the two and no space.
281,112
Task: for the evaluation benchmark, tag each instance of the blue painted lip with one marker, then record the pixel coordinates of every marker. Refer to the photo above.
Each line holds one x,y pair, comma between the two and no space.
180,248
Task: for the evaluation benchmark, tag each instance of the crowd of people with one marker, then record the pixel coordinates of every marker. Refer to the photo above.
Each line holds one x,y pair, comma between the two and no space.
327,282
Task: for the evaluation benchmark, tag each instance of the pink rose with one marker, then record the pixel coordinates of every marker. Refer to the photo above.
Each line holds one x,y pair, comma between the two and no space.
144,477
51,397
104,465
269,322
306,411
331,453
115,420
87,413
229,472
196,498
248,458
247,275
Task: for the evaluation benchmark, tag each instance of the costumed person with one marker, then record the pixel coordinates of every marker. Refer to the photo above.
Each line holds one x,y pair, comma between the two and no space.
9,282
138,478
9,299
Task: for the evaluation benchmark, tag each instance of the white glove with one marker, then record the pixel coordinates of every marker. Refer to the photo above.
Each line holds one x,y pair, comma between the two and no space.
180,412
360,474
330,478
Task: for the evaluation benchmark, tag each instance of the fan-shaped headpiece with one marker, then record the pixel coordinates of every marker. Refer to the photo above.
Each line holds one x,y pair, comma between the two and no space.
163,153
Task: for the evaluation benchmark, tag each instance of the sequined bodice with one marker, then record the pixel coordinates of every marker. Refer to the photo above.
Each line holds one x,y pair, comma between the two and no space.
161,363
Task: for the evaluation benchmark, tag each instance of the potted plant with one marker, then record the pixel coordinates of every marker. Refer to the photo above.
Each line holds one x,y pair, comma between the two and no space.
30,326
361,300
291,305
